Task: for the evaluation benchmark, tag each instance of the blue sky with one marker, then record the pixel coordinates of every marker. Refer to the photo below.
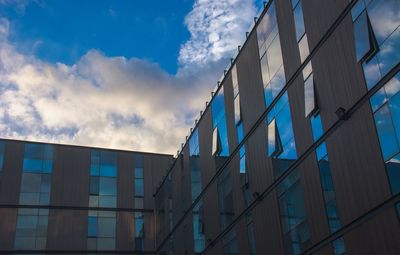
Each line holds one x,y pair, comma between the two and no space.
63,31
117,74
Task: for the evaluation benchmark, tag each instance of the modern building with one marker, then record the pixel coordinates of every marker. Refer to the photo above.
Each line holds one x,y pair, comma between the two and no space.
73,198
297,152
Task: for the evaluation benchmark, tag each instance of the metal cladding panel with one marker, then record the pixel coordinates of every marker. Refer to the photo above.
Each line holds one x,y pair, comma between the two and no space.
319,16
267,229
67,229
70,176
125,180
380,235
8,221
125,238
12,172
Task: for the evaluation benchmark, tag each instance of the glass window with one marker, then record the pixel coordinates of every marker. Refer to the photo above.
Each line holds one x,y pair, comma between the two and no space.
106,227
38,158
316,125
240,132
31,183
296,236
237,109
338,246
92,226
272,138
216,145
94,185
139,224
250,236
139,188
264,70
303,48
266,27
194,143
105,243
389,53
107,186
299,21
219,120
309,96
384,16
362,36
274,55
139,173
107,201
386,132
278,82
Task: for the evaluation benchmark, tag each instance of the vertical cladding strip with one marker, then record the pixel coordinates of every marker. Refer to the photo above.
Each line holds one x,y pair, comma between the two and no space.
10,189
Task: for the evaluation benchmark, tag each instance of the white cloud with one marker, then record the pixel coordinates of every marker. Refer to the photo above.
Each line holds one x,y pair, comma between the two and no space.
216,28
117,102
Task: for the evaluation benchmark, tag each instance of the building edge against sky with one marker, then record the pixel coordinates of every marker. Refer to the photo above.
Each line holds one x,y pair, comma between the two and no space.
298,152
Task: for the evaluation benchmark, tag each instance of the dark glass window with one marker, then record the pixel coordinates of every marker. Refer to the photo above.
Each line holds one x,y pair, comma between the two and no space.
362,36
219,124
38,158
229,244
296,236
139,188
299,21
92,226
225,198
250,236
101,230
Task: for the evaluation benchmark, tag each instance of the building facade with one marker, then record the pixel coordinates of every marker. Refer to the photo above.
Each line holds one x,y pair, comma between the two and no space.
297,152
65,199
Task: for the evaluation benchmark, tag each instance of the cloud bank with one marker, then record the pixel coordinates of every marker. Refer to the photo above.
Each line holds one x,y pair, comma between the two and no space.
115,102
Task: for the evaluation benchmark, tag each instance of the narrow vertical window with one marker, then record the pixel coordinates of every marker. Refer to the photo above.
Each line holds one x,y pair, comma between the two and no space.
309,95
363,37
31,229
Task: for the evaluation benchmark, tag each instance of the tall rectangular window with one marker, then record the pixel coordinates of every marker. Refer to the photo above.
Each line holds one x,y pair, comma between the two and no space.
102,193
31,230
328,189
138,174
296,235
195,180
385,105
273,73
281,142
376,26
220,134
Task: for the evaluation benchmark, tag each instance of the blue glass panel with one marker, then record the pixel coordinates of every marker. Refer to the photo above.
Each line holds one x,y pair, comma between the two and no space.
139,173
289,150
281,102
386,132
139,225
194,143
338,245
250,236
299,21
358,8
27,221
240,132
107,186
218,107
294,2
321,151
393,170
284,121
31,182
394,106
378,99
139,188
384,17
94,185
106,227
361,36
316,125
243,164
92,226
108,170
107,201
392,87
32,165
389,52
372,73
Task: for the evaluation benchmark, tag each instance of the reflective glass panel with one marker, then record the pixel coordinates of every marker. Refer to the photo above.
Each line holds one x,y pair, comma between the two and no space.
107,186
309,96
303,48
361,36
299,21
